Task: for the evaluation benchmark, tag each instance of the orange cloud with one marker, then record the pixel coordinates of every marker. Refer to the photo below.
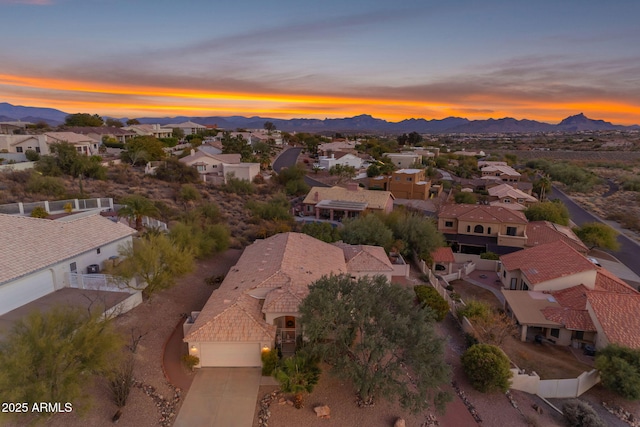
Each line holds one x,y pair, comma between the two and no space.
127,100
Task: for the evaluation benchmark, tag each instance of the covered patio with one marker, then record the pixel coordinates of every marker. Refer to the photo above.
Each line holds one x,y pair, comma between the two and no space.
339,209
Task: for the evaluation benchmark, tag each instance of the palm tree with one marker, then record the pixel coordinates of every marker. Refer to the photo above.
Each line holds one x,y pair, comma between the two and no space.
298,375
135,207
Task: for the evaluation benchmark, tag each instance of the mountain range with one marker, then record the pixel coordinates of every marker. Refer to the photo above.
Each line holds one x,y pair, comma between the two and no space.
358,124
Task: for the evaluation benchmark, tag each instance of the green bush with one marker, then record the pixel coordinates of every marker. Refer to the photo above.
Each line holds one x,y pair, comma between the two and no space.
490,255
269,362
429,297
39,212
46,185
190,361
238,186
32,155
487,368
474,310
580,414
620,370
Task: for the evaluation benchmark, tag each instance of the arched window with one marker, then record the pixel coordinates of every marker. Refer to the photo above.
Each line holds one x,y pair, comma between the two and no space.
478,229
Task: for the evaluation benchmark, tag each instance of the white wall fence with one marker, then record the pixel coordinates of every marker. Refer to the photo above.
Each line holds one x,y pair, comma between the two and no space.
154,223
560,389
480,264
57,206
19,166
100,282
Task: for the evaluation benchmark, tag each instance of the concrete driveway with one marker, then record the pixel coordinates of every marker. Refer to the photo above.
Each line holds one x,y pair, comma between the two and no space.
221,397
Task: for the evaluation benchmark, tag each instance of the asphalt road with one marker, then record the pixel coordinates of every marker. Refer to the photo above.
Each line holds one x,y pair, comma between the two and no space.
629,253
289,158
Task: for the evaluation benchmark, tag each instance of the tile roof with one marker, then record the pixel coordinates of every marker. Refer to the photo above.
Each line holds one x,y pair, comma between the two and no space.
541,232
577,320
31,244
443,254
574,297
70,137
617,313
363,258
223,158
374,199
506,190
287,261
607,281
514,206
482,213
547,262
283,300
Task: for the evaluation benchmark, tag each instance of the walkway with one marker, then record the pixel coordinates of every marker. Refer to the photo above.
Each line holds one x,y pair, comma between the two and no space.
221,397
174,370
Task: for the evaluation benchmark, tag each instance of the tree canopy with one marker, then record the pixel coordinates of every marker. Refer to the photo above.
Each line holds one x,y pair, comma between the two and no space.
598,235
83,119
367,230
487,368
371,332
620,370
143,149
48,357
135,208
554,211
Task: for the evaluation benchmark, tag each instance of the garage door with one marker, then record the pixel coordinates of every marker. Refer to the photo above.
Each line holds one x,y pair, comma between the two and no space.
230,354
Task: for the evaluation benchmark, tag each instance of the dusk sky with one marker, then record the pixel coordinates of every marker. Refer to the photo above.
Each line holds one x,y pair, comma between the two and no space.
542,60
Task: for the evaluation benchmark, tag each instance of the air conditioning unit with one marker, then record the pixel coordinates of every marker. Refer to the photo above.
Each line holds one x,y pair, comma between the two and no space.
93,269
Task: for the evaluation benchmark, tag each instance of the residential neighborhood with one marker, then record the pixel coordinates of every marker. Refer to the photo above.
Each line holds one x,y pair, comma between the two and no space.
205,259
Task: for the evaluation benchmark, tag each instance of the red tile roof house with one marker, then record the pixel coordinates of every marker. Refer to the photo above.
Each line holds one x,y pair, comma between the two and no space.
38,256
554,291
256,306
339,202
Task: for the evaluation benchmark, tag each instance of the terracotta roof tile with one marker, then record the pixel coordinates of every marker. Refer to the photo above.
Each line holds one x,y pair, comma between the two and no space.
547,262
443,254
541,232
31,244
607,281
578,320
617,313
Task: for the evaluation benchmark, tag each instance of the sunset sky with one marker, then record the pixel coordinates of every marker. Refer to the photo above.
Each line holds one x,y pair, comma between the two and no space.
542,60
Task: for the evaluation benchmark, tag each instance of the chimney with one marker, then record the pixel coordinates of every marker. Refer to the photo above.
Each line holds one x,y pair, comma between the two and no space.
333,156
316,197
193,151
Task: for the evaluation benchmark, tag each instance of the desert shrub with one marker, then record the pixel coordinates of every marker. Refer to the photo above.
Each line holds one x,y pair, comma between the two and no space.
580,414
322,231
174,170
429,297
465,198
296,187
475,310
190,361
46,185
238,186
269,362
120,382
490,255
32,155
631,183
278,208
620,370
113,144
487,368
39,212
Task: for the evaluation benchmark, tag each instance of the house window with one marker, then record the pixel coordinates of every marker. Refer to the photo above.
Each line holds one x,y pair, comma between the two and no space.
200,168
511,231
579,335
448,224
73,267
506,200
468,229
409,179
488,230
478,229
555,333
504,273
18,149
37,149
98,251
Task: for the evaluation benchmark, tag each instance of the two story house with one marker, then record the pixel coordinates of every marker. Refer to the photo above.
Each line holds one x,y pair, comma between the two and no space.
479,228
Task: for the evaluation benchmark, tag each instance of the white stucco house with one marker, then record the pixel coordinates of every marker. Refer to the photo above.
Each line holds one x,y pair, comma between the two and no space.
256,307
40,256
340,158
217,167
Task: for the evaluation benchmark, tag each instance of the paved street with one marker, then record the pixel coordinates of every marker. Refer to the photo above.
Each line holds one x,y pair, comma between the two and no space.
287,158
629,252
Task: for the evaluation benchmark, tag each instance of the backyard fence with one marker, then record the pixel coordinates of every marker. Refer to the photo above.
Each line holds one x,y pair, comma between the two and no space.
100,282
560,389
